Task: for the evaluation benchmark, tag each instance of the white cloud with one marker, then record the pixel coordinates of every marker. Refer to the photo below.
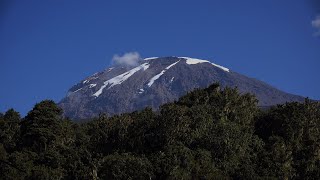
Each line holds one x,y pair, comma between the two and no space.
128,59
316,24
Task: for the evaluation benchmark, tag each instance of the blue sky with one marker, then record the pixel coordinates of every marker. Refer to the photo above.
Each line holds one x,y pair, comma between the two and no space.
47,46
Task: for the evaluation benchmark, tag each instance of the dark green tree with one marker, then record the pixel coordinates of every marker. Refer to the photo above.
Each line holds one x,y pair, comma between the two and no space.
125,166
220,121
177,161
9,129
41,128
292,136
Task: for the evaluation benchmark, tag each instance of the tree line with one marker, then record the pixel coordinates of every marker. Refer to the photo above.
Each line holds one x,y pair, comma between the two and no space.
209,133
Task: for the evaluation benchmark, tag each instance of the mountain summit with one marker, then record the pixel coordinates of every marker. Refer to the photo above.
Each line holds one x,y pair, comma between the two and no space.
156,81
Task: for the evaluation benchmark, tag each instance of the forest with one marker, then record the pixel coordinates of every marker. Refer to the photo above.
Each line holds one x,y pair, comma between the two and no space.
210,133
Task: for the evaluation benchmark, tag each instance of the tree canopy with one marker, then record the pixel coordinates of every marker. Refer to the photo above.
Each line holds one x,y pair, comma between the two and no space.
209,133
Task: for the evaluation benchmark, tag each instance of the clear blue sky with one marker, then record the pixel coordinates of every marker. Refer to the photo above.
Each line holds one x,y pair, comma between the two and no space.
47,46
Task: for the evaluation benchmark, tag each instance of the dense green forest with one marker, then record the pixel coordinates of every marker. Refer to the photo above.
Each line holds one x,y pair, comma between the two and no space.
207,134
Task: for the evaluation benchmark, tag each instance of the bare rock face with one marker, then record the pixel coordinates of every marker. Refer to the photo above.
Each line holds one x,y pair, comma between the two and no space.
156,81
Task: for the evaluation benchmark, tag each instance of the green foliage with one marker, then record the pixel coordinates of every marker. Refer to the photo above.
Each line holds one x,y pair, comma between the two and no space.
125,166
292,135
180,162
41,127
210,133
9,129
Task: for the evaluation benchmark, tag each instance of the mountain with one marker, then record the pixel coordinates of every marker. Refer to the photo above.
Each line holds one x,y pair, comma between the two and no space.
156,81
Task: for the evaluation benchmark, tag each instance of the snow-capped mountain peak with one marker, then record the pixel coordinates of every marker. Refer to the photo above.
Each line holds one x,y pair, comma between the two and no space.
155,81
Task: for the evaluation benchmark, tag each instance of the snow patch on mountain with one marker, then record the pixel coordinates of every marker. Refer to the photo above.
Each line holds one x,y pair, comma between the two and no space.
221,67
77,90
192,61
171,79
154,78
150,58
141,91
90,79
121,78
110,69
92,85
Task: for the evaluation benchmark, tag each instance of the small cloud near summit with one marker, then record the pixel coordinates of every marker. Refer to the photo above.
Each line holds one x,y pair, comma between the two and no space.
316,24
128,59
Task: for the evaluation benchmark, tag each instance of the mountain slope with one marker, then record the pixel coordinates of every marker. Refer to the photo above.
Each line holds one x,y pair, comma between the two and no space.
157,81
